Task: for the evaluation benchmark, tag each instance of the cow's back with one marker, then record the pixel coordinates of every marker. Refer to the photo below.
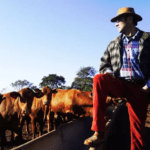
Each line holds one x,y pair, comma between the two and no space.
61,100
68,100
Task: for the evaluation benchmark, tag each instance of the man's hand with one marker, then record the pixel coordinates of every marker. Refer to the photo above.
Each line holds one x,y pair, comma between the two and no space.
111,74
145,89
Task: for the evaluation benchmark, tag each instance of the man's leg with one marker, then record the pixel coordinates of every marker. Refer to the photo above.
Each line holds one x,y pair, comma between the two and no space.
103,85
137,108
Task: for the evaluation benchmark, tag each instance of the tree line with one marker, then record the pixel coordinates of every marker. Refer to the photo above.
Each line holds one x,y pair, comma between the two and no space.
82,81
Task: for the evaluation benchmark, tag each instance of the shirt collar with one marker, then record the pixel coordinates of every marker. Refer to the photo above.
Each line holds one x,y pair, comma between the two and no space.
133,37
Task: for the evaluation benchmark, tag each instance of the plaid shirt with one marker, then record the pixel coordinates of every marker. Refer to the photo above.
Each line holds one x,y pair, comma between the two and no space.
112,59
130,68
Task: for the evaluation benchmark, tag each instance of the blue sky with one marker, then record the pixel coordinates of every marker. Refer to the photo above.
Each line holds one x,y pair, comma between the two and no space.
42,37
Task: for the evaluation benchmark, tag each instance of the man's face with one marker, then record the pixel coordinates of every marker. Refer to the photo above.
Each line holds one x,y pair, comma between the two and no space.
122,24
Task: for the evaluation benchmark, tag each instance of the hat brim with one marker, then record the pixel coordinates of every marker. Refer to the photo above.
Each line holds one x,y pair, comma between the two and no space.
138,17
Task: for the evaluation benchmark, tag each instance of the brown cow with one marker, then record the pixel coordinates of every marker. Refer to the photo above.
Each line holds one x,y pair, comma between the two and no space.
12,108
29,95
40,108
73,102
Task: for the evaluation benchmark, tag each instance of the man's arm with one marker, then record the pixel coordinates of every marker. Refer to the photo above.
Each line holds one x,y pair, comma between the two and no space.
105,64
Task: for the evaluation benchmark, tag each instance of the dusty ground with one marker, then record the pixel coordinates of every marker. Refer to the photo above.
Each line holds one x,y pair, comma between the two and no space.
26,137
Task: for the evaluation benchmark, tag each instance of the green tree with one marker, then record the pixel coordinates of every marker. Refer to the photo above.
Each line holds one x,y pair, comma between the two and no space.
53,81
84,79
19,84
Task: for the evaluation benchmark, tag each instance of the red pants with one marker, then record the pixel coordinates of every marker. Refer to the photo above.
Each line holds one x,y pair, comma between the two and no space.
104,85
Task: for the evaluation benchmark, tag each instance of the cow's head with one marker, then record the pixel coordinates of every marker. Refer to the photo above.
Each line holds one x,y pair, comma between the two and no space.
27,96
20,102
47,94
89,94
85,102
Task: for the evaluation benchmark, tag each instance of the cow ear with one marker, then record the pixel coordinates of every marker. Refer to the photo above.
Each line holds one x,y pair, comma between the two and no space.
37,90
38,93
54,91
14,95
2,98
91,95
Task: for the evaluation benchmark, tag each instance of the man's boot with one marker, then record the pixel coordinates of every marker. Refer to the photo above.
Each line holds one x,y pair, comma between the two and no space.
95,139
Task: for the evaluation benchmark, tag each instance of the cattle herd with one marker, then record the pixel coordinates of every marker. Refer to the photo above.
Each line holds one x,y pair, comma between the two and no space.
46,106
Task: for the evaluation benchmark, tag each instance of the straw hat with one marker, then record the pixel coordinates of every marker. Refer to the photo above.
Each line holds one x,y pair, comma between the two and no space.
126,10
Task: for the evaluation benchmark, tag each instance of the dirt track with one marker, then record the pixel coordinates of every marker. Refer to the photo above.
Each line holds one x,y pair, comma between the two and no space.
26,137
